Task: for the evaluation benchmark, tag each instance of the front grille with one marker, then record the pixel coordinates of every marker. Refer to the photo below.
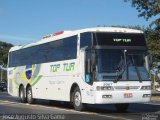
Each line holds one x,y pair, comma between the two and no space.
126,87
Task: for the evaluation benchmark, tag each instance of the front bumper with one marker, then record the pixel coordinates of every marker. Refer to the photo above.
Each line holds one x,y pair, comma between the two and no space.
109,97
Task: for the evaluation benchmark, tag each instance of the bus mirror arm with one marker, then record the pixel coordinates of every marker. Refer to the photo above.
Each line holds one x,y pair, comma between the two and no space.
86,48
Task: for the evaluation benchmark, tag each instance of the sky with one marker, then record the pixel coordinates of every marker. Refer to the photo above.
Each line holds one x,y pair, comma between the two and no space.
26,21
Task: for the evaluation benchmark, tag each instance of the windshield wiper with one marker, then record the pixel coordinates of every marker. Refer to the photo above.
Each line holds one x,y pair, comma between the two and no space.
117,71
120,66
121,74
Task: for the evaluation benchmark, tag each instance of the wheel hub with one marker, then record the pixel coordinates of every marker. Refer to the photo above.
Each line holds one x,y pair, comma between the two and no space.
77,99
29,95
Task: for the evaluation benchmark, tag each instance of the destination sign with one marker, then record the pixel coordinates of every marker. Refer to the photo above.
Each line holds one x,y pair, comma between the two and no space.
119,39
122,40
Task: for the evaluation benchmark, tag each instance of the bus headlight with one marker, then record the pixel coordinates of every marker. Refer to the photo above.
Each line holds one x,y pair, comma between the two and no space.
103,88
146,88
146,95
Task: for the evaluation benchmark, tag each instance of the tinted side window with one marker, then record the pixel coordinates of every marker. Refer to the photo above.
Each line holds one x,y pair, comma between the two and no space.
85,40
70,48
63,49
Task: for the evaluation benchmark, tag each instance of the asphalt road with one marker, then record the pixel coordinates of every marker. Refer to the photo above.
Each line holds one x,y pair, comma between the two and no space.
11,108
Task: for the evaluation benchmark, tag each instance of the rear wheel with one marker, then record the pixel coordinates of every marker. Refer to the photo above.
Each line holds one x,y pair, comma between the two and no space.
122,107
30,99
77,100
22,95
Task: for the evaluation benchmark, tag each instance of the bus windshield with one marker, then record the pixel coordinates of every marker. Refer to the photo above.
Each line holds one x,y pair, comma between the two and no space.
122,64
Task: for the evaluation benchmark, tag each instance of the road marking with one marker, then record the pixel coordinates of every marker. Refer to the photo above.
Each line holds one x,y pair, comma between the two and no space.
87,113
5,102
53,107
113,117
152,103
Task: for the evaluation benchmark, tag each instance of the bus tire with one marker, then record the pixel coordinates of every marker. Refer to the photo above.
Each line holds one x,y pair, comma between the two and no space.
30,99
77,100
22,95
122,107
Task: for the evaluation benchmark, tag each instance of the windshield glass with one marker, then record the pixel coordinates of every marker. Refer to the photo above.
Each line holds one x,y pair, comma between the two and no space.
121,64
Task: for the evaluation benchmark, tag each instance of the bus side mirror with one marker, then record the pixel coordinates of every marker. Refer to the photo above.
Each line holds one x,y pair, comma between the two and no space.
93,64
88,71
93,61
88,66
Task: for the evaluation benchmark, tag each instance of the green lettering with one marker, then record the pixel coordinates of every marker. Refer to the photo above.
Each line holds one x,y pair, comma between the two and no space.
55,68
72,66
68,67
65,66
51,68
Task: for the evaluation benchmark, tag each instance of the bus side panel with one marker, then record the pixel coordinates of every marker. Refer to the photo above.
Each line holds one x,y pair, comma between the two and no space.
52,81
12,84
56,80
55,88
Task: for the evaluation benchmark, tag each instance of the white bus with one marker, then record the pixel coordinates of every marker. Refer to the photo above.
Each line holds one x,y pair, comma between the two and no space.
102,65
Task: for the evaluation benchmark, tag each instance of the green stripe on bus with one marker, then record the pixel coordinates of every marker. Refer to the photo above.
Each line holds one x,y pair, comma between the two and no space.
16,83
37,79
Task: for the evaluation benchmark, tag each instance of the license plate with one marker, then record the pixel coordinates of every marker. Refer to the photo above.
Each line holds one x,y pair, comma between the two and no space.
128,95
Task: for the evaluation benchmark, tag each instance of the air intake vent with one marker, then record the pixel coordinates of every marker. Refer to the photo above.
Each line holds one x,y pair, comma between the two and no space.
126,87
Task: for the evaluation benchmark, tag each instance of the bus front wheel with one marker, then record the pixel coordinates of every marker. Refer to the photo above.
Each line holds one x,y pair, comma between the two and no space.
30,99
122,107
77,100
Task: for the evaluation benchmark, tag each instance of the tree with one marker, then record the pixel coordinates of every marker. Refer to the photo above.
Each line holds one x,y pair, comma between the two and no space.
153,42
148,9
4,48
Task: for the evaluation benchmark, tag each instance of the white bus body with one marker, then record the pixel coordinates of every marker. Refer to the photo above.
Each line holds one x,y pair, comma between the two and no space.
77,66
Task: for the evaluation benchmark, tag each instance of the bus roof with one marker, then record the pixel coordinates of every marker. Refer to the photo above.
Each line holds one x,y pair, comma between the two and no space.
64,34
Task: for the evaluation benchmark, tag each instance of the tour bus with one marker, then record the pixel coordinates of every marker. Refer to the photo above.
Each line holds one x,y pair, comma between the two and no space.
102,65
